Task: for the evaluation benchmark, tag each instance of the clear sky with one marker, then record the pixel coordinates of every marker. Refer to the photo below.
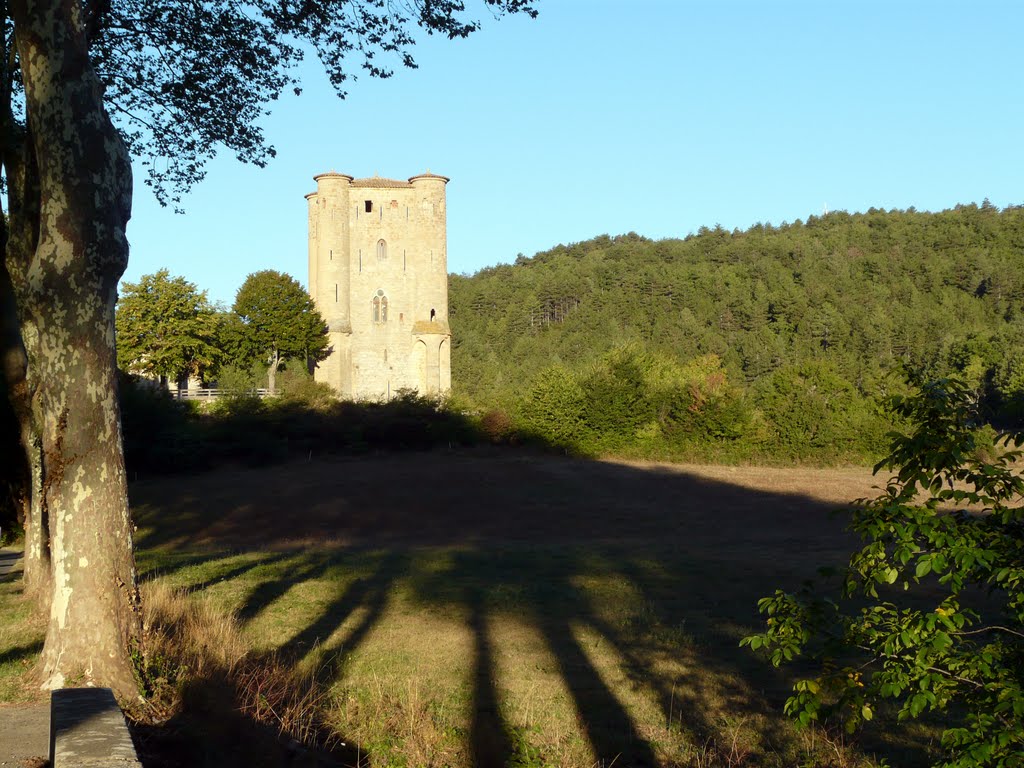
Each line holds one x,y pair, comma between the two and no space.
653,116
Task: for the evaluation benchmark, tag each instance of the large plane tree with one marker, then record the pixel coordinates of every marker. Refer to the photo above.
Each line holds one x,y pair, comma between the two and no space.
85,85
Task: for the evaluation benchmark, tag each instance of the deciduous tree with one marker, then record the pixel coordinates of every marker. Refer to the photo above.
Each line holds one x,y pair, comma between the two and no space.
166,327
277,321
183,79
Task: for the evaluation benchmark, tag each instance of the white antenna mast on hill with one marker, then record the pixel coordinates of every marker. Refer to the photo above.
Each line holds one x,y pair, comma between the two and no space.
824,210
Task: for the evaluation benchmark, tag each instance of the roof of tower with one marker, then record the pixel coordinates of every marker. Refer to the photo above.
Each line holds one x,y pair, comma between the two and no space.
429,175
332,174
377,181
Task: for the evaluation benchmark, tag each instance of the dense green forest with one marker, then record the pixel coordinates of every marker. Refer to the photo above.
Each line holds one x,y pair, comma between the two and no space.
771,342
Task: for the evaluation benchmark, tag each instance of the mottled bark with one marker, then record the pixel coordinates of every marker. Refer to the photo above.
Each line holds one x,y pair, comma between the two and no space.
84,177
21,346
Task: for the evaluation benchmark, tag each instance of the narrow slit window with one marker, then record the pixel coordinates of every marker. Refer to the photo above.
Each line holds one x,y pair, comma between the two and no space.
335,291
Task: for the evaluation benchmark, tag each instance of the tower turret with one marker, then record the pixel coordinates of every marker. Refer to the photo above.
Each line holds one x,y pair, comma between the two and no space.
378,273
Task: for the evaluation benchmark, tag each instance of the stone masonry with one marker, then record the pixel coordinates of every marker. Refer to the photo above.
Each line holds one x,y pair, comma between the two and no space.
378,273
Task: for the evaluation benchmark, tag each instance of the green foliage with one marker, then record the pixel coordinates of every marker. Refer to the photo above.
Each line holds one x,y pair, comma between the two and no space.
931,614
238,381
845,300
813,410
158,431
553,408
15,474
163,435
632,400
166,327
618,398
276,321
296,385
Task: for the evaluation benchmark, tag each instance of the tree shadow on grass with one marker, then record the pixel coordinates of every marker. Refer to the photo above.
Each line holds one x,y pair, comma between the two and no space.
678,560
21,652
368,593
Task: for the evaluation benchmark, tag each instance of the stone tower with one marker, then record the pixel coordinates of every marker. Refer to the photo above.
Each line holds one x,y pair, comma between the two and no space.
378,273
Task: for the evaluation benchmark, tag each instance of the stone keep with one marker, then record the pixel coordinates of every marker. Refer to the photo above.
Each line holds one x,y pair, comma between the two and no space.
378,273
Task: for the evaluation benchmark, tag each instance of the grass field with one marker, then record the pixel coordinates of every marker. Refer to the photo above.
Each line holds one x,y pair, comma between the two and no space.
512,609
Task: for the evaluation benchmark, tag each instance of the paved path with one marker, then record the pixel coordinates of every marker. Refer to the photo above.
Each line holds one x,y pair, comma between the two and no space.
24,728
10,560
24,734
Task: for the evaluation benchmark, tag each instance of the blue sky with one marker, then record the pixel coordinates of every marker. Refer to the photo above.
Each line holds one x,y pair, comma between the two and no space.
650,116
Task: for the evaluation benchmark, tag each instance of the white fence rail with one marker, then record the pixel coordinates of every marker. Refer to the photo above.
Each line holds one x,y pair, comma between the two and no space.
211,394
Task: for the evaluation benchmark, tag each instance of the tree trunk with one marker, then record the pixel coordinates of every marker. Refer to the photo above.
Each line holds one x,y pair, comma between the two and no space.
85,201
12,362
275,363
21,238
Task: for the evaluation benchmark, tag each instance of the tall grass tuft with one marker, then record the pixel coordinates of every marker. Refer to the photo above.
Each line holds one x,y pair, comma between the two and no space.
198,677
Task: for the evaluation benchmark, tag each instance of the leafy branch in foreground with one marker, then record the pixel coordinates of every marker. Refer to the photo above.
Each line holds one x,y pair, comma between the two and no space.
931,614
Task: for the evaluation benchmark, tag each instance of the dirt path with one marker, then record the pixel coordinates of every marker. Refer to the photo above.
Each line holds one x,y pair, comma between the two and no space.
10,560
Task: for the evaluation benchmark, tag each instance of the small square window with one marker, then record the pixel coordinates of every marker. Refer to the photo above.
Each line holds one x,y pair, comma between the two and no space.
368,206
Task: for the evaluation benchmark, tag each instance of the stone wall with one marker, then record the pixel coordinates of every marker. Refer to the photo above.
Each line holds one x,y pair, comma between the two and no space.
378,272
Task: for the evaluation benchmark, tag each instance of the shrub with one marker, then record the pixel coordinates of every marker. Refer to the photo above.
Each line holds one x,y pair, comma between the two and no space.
931,613
496,425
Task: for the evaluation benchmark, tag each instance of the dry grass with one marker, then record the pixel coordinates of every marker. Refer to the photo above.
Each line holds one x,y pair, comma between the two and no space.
196,667
484,609
509,609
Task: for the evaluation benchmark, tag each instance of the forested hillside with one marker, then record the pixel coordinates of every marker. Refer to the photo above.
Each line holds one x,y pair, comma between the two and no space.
825,314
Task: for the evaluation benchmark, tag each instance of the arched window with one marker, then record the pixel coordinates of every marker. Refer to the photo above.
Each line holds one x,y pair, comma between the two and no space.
382,250
380,307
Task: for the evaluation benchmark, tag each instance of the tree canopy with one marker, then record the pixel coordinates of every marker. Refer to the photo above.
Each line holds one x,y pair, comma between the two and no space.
185,79
166,327
813,321
276,321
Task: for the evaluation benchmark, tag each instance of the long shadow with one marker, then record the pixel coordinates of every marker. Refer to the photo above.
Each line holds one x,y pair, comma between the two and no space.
310,565
165,571
20,652
698,551
369,592
687,697
608,726
490,745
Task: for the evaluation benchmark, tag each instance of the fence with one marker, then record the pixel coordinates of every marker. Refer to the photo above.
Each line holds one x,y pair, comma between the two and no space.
211,394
